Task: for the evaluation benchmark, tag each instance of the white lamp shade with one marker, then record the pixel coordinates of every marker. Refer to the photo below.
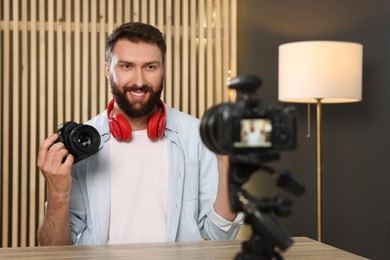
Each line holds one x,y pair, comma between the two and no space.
326,70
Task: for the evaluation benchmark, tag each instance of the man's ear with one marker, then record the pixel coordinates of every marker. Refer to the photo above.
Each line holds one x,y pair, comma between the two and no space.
107,70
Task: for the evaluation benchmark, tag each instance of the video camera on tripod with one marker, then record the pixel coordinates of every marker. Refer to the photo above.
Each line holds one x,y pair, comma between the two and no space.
251,133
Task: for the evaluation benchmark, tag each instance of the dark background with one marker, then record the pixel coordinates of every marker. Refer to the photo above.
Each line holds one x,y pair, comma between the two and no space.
355,136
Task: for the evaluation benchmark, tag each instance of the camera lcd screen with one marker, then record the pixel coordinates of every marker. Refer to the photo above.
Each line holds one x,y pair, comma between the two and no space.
254,132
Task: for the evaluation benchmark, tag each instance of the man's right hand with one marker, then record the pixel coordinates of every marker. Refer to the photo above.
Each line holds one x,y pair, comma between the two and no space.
55,162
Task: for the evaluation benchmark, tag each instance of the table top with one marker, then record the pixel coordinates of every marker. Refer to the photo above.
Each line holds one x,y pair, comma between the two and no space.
303,248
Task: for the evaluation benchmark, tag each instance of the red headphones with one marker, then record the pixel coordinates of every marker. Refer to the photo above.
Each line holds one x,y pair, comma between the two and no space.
121,129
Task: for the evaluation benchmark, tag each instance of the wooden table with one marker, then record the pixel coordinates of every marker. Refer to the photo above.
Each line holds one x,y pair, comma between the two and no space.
303,248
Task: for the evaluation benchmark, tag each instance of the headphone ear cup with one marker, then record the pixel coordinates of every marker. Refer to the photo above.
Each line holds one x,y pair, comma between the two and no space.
120,128
156,123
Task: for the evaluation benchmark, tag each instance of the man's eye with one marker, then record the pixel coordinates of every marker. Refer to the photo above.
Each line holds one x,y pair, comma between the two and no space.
151,67
124,66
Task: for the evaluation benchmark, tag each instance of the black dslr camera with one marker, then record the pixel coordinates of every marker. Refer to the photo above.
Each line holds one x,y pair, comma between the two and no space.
248,126
80,140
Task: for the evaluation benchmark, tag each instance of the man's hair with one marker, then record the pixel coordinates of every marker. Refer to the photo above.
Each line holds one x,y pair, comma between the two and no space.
135,32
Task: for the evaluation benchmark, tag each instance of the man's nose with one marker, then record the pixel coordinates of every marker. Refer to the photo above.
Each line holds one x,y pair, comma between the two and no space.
138,78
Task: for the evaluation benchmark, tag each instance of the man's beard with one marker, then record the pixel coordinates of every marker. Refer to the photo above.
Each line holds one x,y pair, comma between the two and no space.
135,109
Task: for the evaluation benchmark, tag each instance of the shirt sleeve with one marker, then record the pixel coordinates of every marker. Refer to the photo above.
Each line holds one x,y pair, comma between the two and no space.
77,212
219,228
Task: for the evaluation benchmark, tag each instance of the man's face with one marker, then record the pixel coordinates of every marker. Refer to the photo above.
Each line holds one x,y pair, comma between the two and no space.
136,76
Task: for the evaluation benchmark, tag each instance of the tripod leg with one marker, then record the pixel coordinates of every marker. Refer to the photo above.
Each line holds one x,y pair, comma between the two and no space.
257,248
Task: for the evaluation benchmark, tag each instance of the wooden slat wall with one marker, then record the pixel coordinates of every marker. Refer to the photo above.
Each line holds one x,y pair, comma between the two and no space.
52,70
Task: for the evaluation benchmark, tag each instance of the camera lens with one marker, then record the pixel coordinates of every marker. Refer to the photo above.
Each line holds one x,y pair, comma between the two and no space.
85,140
211,130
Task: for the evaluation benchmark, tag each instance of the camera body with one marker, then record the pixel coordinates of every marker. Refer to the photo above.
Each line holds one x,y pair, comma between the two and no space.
248,126
80,140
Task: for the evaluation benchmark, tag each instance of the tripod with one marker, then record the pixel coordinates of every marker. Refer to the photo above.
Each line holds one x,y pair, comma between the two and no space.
267,234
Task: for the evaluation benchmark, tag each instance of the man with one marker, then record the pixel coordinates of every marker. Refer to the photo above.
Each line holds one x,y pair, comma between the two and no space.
153,180
253,136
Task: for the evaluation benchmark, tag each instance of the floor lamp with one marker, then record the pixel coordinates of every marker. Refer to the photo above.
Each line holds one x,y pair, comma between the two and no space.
320,72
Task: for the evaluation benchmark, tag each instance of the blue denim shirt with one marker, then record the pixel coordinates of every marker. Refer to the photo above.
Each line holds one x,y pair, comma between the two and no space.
192,188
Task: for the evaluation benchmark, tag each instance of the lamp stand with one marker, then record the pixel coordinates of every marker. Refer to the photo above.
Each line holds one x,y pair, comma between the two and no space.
319,171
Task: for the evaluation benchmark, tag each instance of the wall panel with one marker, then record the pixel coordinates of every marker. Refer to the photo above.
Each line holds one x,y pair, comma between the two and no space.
52,70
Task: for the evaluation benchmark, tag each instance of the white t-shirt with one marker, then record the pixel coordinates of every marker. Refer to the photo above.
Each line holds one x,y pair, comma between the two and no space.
253,138
139,181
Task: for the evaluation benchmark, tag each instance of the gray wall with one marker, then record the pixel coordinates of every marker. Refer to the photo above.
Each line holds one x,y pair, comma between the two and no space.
356,196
